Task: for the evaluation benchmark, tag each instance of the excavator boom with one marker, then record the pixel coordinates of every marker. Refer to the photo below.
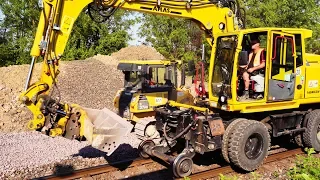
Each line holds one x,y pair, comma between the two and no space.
54,28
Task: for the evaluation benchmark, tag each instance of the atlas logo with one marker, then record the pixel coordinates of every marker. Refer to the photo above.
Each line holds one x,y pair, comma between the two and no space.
161,9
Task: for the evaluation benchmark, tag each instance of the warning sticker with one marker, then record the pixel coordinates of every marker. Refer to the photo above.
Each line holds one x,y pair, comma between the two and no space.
313,83
298,73
158,100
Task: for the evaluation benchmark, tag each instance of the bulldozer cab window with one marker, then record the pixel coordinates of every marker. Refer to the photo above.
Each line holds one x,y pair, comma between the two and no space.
158,75
133,79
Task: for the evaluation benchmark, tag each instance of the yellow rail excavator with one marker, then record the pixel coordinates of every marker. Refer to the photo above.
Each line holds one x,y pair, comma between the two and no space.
147,84
281,97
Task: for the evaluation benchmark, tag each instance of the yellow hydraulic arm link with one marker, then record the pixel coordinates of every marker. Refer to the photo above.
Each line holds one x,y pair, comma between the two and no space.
55,25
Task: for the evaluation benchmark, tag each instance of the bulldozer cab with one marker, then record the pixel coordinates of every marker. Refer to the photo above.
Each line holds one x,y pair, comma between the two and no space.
268,67
149,76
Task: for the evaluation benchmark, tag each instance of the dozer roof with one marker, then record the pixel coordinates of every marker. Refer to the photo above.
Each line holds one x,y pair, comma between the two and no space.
140,65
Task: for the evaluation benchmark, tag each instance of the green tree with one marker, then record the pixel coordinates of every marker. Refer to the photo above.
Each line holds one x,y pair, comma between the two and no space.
175,38
18,27
286,13
89,38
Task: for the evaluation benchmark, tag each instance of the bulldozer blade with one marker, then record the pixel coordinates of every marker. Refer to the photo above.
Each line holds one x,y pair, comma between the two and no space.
105,129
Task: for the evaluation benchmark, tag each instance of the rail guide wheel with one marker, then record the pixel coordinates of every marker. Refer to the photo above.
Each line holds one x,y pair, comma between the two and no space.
182,166
144,146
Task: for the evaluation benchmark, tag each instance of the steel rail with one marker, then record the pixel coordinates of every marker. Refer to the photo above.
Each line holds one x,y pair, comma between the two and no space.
227,169
87,172
96,170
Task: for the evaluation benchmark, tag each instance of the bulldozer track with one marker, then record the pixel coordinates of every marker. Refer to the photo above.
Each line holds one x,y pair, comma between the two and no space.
97,170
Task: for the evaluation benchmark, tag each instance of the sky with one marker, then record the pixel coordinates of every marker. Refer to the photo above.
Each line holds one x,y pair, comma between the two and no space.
133,31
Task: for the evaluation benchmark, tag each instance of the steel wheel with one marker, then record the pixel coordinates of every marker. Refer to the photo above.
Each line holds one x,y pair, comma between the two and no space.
182,166
143,146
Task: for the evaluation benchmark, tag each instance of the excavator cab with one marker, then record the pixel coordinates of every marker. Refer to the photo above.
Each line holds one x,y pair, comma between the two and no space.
267,56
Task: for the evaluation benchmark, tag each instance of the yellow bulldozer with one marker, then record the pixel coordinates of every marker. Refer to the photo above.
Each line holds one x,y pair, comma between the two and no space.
280,89
147,84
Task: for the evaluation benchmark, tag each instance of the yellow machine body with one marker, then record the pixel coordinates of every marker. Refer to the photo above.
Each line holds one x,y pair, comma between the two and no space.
302,66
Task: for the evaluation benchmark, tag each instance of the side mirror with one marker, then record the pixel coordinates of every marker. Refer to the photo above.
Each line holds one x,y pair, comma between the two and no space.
243,58
191,67
183,75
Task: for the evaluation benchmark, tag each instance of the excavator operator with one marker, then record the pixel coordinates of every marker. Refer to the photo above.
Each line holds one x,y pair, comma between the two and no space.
255,66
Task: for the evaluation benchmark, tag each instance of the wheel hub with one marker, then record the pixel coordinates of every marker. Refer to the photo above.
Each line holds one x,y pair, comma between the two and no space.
254,146
182,166
185,166
145,145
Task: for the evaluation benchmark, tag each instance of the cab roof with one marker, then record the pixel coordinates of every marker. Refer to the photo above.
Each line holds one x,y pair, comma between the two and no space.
307,33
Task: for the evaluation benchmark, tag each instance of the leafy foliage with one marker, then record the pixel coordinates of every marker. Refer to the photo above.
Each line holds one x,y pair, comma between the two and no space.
174,38
89,38
18,28
307,168
286,13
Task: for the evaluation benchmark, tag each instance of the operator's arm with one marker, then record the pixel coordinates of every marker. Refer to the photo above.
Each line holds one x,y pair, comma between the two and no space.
262,61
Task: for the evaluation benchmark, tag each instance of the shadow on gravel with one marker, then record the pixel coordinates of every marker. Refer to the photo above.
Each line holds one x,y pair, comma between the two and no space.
124,152
60,170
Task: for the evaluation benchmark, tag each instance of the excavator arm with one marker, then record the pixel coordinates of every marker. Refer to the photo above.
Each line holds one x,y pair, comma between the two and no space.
57,18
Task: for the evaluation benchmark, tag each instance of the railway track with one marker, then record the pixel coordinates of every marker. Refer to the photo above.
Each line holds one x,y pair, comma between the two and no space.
93,171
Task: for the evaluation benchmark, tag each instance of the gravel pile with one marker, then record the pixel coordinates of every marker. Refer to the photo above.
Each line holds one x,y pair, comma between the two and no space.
137,53
23,151
90,83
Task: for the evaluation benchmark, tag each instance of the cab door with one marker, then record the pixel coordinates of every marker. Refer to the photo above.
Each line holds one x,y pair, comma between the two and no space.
282,75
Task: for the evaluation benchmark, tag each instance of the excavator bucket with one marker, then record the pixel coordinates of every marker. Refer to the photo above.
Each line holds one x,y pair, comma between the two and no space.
104,129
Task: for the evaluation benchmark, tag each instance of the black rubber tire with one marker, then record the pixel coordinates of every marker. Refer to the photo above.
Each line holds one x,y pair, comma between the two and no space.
226,137
310,135
238,140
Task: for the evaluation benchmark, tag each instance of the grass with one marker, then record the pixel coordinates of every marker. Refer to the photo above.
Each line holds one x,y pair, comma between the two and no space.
306,168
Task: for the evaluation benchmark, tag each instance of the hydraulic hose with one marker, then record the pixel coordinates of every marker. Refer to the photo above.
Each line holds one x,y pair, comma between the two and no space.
177,136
